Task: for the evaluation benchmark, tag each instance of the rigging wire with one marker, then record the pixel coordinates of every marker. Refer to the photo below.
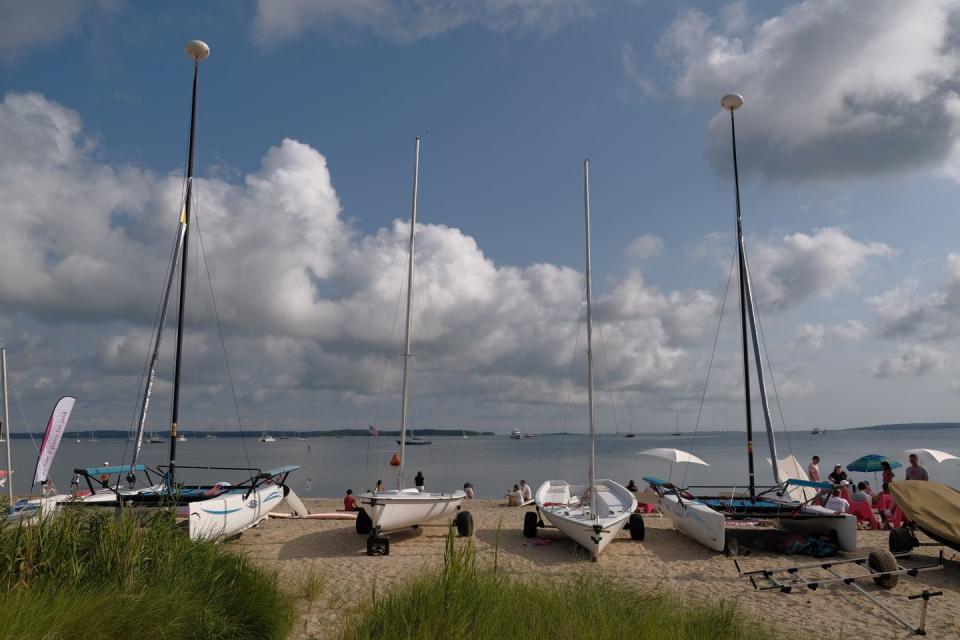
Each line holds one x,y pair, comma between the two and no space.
581,310
706,382
613,409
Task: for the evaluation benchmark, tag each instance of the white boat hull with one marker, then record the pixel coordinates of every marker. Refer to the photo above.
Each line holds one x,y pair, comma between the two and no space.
563,509
844,527
696,520
230,514
395,510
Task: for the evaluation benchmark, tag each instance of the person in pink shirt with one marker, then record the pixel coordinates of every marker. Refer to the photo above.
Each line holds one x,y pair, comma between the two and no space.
813,469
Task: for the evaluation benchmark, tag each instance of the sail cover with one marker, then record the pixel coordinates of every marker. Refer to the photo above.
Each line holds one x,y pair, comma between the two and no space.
51,438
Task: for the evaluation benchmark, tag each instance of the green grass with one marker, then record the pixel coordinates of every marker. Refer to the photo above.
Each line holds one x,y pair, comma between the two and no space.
95,576
464,601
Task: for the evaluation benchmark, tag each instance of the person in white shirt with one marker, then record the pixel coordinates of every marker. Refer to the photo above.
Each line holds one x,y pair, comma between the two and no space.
813,469
525,491
836,503
861,494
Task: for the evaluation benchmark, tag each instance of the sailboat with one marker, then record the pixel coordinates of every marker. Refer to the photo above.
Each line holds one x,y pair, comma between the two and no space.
630,434
92,439
403,507
213,512
676,430
706,519
593,515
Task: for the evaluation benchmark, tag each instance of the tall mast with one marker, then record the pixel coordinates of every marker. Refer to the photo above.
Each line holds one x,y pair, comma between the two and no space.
155,356
731,102
6,420
197,50
586,223
761,384
409,329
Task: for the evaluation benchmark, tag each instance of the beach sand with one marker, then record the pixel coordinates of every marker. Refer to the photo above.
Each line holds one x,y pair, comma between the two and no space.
665,559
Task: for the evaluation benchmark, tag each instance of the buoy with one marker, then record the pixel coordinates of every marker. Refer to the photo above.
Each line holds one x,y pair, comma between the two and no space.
395,460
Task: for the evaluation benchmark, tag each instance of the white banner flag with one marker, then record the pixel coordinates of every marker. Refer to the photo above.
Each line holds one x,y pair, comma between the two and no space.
51,438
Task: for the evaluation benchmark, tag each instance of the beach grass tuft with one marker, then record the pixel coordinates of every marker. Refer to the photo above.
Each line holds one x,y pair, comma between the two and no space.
91,574
465,601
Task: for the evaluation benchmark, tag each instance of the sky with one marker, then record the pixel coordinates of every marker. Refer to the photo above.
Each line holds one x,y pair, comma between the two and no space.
849,149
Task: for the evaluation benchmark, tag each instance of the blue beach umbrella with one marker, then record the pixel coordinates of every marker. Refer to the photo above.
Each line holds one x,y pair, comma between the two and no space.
872,463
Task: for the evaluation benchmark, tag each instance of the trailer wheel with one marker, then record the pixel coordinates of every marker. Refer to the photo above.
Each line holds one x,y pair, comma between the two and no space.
637,530
464,524
902,539
364,523
882,561
530,522
731,547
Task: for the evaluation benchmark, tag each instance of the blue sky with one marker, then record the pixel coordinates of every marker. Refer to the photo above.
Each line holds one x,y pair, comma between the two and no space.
847,146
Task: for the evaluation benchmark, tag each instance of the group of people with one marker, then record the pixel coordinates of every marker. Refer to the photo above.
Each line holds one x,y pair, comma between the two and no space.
843,497
520,495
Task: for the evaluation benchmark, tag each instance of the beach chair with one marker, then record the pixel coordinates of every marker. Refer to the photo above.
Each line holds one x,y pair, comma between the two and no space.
864,513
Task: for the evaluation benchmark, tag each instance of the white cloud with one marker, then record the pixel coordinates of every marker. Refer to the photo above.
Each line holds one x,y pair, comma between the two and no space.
26,25
644,247
406,21
908,360
308,302
833,88
799,266
815,336
902,312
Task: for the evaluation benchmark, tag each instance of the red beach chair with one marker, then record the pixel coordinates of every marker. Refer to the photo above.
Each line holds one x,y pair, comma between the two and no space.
864,513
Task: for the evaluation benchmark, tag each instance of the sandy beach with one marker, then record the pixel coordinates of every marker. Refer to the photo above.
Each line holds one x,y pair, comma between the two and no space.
665,559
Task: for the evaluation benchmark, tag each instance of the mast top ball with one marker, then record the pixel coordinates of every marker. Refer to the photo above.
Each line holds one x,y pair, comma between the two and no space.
731,101
198,50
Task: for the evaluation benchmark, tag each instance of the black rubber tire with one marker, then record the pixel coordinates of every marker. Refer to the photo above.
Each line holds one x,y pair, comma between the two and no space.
378,546
731,547
881,560
464,524
637,528
902,540
364,523
530,523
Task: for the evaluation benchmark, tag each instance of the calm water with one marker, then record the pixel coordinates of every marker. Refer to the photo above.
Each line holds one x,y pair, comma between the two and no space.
495,463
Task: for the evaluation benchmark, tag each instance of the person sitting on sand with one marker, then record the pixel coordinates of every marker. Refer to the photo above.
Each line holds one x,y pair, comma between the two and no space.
380,486
836,503
48,489
515,497
349,502
861,494
468,489
632,487
845,490
525,491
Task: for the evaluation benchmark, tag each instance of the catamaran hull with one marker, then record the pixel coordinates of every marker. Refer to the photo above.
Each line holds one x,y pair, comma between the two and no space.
844,527
395,510
696,520
615,505
230,514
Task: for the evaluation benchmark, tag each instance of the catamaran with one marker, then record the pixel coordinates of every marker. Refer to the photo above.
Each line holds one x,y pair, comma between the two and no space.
591,515
401,508
706,519
216,511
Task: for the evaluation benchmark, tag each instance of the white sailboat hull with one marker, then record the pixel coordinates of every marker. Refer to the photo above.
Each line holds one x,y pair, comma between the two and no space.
558,503
844,527
696,520
230,514
395,510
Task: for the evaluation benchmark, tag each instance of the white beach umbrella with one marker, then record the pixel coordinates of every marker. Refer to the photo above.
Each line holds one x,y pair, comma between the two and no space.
933,454
672,455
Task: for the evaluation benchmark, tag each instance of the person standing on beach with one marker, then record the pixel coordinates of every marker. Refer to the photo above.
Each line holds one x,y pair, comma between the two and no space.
418,480
309,485
349,502
75,484
813,469
887,472
915,471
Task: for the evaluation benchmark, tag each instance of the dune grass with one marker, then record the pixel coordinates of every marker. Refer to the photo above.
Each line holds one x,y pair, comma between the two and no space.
464,601
89,574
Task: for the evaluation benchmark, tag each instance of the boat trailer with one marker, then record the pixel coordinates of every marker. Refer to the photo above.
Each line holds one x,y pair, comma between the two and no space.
882,567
